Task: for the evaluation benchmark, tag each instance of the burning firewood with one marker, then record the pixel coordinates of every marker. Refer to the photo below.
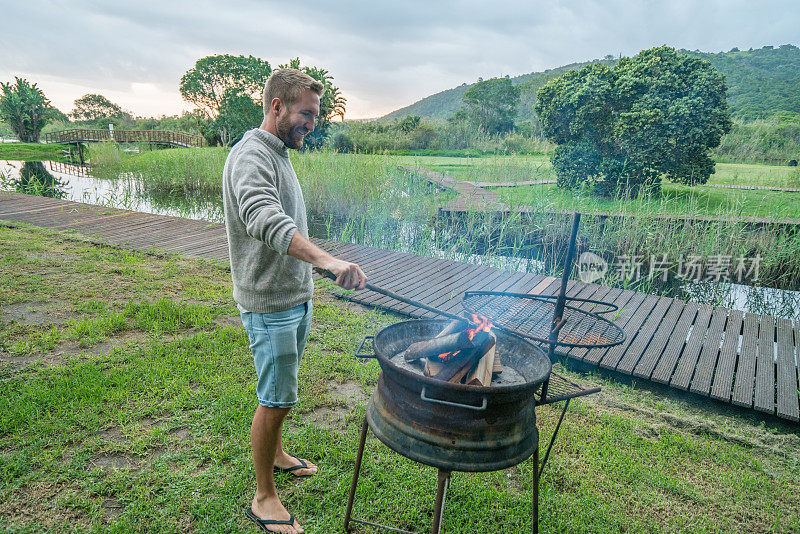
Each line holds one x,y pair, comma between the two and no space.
452,367
432,367
498,366
453,364
453,327
482,374
438,345
456,371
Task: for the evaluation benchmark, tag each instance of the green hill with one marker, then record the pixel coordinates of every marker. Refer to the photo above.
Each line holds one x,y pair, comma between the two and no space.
762,83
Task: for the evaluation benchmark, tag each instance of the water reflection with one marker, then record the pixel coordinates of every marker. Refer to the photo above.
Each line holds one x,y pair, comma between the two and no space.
753,299
76,183
34,179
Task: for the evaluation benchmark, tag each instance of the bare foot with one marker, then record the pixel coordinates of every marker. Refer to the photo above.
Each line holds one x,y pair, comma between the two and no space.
272,508
283,461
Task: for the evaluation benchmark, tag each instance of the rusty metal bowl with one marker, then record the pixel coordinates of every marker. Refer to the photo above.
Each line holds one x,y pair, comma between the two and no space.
455,426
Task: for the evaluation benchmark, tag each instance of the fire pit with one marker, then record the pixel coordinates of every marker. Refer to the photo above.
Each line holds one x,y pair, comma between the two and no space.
453,426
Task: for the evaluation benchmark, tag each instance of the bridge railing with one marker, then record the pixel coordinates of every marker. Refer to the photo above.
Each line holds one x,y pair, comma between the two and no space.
166,137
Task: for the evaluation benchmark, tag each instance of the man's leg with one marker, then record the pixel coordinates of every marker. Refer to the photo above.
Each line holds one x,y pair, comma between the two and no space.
282,458
285,460
265,434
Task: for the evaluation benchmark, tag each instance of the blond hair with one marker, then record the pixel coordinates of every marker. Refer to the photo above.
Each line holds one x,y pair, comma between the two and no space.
288,85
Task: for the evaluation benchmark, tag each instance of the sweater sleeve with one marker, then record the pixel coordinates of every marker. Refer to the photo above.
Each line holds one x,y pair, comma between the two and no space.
254,184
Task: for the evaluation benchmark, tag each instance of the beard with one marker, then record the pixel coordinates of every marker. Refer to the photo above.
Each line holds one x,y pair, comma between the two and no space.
287,133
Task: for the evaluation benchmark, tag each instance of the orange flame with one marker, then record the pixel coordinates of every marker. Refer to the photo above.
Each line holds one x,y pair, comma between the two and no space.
483,325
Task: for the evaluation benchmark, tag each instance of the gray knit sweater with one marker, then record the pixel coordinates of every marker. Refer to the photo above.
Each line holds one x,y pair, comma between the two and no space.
264,207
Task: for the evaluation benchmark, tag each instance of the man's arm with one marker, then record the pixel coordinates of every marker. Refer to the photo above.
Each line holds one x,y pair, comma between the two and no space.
348,275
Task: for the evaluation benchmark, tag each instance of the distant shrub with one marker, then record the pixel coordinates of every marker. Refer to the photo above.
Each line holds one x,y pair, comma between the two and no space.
341,142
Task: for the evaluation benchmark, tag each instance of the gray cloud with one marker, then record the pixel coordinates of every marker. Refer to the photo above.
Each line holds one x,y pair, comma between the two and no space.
383,55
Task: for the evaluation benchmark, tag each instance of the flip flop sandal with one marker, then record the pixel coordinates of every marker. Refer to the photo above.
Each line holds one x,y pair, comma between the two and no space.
300,465
262,523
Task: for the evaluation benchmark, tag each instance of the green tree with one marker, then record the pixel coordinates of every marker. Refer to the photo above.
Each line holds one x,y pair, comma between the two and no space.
624,127
237,114
332,103
207,84
492,104
25,109
93,107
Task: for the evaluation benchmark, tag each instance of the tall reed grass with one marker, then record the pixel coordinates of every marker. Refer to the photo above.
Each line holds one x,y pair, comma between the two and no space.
186,170
367,199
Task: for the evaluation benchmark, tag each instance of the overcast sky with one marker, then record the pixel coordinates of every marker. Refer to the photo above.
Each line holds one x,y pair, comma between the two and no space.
383,55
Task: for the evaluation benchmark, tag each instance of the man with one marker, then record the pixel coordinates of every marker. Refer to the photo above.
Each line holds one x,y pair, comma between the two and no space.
271,260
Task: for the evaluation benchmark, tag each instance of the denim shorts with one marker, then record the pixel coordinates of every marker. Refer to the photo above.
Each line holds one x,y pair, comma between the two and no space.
277,341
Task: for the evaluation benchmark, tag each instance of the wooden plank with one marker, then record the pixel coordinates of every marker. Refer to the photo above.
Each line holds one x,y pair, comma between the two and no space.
122,227
765,366
786,372
746,367
371,262
454,305
454,291
704,370
416,273
723,378
643,338
413,284
146,233
626,315
445,281
613,296
614,354
666,364
590,291
691,352
644,367
541,286
91,221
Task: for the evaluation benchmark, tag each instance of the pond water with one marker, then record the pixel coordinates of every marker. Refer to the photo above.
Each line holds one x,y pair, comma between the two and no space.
73,182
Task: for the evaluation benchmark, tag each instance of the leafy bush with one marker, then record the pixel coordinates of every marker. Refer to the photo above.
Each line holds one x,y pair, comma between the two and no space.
657,114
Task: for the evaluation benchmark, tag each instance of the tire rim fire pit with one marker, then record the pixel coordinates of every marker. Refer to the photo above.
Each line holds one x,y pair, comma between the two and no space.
451,426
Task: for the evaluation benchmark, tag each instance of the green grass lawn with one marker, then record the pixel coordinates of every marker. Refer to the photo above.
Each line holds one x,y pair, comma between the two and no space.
758,175
30,151
675,199
522,168
127,389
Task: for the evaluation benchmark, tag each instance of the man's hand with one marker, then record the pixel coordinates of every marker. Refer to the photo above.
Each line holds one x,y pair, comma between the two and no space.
348,275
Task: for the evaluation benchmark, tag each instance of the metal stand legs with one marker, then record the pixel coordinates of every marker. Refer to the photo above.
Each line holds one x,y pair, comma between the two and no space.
443,482
359,457
536,490
539,469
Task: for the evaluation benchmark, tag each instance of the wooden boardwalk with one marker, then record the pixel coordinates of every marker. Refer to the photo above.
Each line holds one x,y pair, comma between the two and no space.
740,358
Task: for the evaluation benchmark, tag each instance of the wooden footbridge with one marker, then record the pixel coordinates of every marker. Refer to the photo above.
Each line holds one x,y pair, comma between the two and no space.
744,359
160,137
